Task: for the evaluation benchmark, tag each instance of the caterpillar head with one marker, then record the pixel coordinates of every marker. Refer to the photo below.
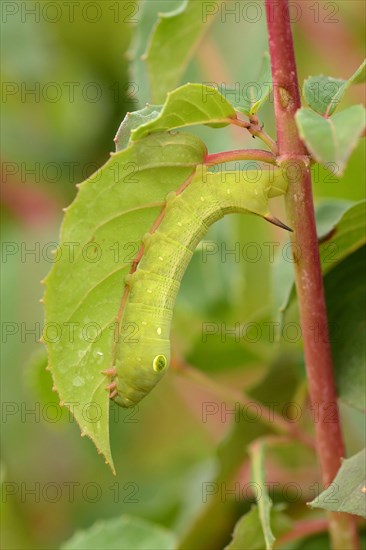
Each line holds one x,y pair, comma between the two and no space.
138,378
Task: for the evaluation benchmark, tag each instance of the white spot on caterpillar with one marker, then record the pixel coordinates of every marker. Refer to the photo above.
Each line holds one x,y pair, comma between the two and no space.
202,199
149,291
144,323
228,191
100,353
78,381
179,224
159,331
161,258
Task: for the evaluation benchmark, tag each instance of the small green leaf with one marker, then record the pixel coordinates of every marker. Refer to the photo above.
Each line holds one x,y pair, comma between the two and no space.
188,105
101,234
345,292
324,93
258,92
328,212
345,236
331,140
132,121
173,43
263,501
347,493
123,533
248,532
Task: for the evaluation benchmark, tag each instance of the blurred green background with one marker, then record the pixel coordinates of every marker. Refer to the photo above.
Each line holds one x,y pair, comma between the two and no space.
65,89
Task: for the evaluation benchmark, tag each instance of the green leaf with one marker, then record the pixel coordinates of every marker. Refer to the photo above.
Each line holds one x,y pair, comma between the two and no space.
248,532
328,212
340,240
263,501
344,237
132,121
324,93
173,43
188,105
331,140
258,92
123,533
347,493
100,235
330,226
345,291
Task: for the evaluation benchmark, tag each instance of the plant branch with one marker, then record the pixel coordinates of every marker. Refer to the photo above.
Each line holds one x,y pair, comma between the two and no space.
256,130
308,275
233,396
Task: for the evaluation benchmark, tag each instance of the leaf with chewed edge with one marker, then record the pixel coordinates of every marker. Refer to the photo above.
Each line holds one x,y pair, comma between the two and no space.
101,234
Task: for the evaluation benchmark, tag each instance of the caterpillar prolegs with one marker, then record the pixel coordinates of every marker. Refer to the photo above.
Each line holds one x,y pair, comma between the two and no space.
152,288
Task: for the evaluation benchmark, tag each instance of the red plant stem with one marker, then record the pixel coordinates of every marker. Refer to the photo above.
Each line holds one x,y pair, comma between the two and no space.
240,154
309,281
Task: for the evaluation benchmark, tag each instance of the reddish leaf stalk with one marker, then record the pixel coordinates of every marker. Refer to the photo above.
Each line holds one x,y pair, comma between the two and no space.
309,282
240,154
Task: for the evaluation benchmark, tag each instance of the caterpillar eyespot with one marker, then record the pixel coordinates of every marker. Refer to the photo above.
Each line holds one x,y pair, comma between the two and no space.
154,282
160,362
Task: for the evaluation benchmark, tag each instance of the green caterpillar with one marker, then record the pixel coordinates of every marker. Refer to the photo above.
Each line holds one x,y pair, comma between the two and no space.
153,287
